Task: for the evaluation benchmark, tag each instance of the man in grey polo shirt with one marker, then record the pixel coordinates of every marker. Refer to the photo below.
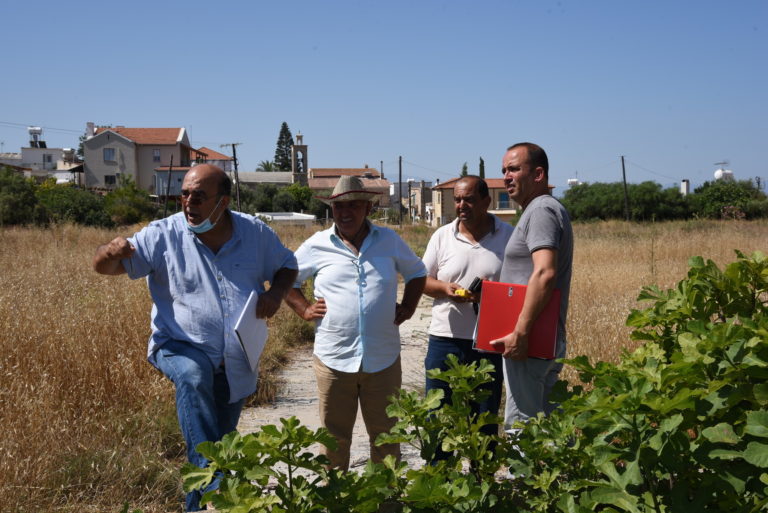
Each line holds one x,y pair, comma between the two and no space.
540,255
470,247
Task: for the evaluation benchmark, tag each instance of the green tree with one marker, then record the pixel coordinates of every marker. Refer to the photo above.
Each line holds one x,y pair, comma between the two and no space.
481,173
127,204
66,202
647,201
595,201
464,170
265,193
710,199
301,193
284,201
80,151
18,204
319,209
265,166
283,150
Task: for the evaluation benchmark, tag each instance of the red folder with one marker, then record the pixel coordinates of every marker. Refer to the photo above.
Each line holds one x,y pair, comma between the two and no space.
500,307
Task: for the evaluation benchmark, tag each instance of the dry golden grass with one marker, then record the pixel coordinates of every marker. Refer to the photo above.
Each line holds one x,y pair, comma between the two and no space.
88,424
614,260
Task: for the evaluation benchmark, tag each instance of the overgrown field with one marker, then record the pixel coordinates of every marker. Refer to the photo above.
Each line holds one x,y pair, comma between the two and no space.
88,424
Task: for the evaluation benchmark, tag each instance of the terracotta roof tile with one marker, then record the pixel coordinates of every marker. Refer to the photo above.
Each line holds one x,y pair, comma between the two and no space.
325,172
159,136
376,184
213,154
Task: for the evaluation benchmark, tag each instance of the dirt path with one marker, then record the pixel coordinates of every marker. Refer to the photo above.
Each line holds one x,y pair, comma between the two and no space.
298,395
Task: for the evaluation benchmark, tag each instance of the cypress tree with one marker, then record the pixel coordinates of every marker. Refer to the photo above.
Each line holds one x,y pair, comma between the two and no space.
283,150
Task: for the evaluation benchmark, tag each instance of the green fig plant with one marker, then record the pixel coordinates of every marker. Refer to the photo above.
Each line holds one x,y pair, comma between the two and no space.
679,424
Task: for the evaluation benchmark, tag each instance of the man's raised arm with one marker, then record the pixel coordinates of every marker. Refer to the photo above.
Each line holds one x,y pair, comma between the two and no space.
108,257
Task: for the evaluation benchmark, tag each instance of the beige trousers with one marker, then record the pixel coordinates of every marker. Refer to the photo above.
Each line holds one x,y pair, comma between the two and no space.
339,394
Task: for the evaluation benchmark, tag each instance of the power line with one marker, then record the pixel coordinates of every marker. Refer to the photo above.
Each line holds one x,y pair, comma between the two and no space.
652,172
429,169
24,126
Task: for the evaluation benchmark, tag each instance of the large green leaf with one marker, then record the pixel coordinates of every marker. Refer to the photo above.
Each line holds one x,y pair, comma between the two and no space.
721,433
757,423
615,497
756,453
194,477
761,393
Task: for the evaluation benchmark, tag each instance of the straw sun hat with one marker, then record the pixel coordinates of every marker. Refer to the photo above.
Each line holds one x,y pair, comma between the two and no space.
349,188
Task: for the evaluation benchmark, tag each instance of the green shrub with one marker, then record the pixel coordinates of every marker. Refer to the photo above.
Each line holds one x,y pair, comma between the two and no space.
67,203
678,425
127,204
18,204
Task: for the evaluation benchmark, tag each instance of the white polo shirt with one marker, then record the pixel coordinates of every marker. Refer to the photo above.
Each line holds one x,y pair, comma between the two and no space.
451,258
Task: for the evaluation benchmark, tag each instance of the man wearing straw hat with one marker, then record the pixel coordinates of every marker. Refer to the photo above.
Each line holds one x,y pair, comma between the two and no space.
355,265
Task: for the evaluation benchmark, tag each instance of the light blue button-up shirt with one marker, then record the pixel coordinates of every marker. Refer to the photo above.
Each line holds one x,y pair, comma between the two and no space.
358,332
198,294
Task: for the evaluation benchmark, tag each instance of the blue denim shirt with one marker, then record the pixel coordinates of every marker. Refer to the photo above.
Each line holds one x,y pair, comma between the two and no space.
198,295
358,332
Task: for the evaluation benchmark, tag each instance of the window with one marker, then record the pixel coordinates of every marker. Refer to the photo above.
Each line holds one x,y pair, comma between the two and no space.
156,155
109,155
110,179
504,200
47,158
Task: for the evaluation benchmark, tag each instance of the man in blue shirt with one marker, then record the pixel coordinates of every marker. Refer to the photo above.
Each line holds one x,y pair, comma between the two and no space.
357,341
201,265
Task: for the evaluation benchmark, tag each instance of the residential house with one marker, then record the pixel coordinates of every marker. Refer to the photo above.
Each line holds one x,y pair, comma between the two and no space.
415,197
323,180
10,159
209,156
140,153
501,205
252,179
41,162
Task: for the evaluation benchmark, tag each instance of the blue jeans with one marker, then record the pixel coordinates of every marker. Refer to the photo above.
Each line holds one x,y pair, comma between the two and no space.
437,353
202,402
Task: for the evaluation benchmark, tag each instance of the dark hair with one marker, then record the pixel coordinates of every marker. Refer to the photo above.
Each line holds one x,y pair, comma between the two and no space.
537,157
480,184
225,185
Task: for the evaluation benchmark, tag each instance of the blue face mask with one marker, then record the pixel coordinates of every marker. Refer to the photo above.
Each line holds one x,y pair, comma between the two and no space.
206,225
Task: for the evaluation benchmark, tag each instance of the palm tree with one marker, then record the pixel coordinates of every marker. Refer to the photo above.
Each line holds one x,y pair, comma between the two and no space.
266,165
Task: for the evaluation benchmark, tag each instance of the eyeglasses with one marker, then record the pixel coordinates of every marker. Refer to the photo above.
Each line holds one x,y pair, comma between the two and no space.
194,196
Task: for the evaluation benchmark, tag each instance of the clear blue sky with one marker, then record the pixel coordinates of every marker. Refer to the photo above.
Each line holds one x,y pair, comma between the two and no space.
674,86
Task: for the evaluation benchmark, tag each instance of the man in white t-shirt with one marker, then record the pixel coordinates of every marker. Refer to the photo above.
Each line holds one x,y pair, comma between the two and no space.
470,247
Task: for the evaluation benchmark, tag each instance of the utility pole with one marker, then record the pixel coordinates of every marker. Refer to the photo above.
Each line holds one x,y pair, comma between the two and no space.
626,195
237,178
410,207
168,187
400,192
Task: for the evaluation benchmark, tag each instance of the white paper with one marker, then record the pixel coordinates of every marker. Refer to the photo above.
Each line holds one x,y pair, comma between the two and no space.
251,331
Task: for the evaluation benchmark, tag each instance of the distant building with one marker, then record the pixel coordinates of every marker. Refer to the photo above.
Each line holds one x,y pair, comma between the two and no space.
323,180
209,156
140,153
41,162
415,198
287,218
501,205
253,179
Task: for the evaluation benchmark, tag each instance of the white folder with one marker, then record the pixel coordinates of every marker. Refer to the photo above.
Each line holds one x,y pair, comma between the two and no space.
251,331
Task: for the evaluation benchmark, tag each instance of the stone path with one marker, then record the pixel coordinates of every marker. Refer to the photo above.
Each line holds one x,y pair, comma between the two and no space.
298,391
